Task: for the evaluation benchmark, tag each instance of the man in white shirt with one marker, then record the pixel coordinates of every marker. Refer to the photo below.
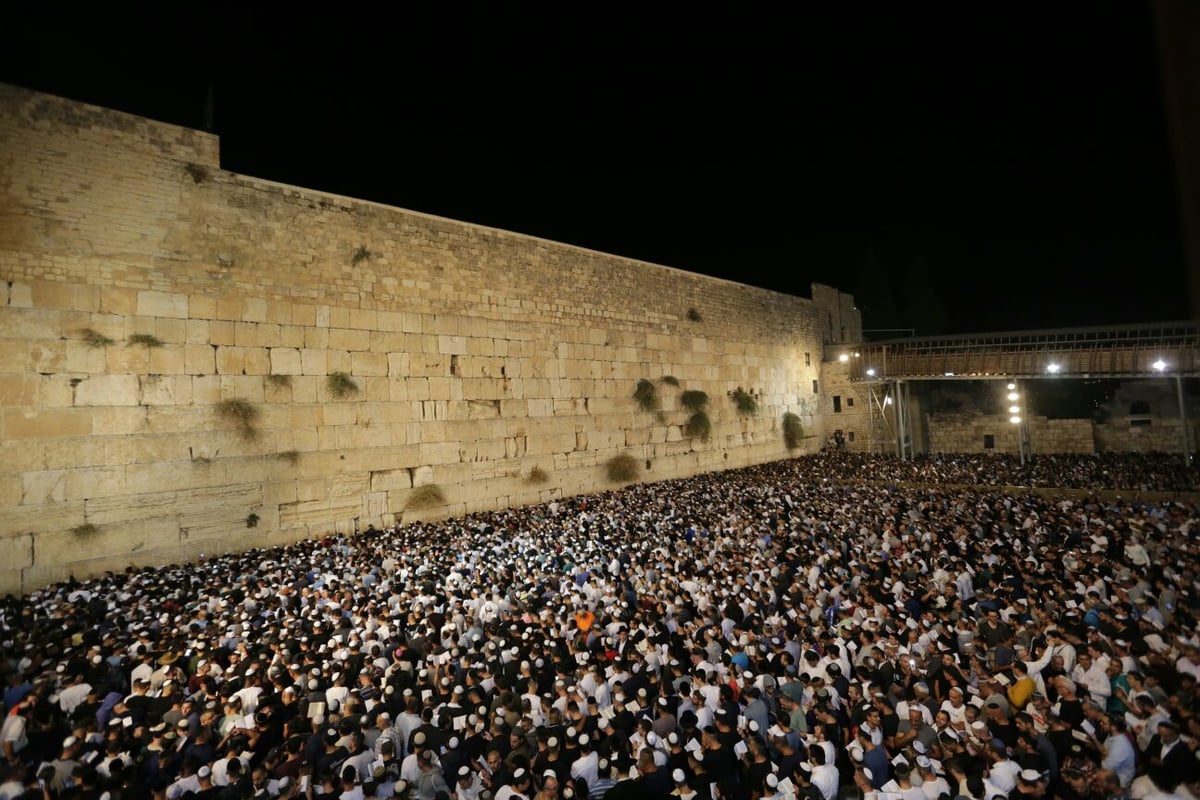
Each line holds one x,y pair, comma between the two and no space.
824,776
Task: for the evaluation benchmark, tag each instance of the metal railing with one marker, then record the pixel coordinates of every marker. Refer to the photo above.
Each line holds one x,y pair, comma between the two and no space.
1142,350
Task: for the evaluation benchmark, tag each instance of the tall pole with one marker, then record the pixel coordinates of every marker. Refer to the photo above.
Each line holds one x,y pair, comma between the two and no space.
1183,423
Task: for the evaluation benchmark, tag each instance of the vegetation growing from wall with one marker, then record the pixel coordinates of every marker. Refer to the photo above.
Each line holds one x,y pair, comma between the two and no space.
622,468
252,520
745,402
279,381
425,496
694,400
199,172
94,338
147,340
698,426
694,315
243,414
793,431
341,385
85,531
538,475
360,255
646,395
290,456
670,380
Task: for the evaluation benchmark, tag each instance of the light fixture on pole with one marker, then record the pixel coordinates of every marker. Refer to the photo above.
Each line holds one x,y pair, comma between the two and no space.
1160,366
1017,418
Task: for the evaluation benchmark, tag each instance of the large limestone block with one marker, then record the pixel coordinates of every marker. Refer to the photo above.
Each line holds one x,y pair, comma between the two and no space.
20,295
285,361
291,336
45,356
108,390
452,345
231,360
66,296
398,365
90,482
46,486
41,518
84,358
350,340
254,309
368,364
127,358
16,552
222,332
422,476
199,359
162,304
389,480
46,423
314,362
196,331
17,390
258,361
66,547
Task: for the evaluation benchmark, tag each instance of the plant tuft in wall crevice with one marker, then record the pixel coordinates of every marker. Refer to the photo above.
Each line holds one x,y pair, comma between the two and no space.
425,496
147,340
341,385
646,395
694,400
793,431
745,402
241,413
698,426
94,338
622,468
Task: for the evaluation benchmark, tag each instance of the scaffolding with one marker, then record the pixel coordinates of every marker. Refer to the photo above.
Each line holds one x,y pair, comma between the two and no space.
1154,350
1125,351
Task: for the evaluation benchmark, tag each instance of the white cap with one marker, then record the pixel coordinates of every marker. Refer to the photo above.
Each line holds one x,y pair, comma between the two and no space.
678,776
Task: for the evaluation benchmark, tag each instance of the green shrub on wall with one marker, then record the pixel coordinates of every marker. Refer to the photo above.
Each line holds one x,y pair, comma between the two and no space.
147,340
622,468
646,395
241,413
425,496
341,385
85,531
698,426
745,402
94,338
793,431
538,475
670,380
694,400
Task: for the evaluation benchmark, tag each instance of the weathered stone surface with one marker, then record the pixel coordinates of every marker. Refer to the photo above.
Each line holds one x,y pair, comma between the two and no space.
468,369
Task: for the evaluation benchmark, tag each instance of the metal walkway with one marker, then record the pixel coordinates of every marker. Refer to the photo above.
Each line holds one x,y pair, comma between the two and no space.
1125,351
1153,350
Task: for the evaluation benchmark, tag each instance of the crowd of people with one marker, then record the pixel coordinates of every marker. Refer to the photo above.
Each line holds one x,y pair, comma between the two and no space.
778,631
1153,471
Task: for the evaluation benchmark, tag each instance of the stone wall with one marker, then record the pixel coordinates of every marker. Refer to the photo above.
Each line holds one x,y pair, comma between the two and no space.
965,433
168,331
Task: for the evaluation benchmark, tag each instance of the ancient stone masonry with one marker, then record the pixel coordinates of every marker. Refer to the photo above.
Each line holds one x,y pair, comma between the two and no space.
182,347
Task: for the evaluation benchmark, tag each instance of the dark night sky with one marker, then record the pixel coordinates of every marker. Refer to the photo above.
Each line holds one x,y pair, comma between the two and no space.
1018,151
